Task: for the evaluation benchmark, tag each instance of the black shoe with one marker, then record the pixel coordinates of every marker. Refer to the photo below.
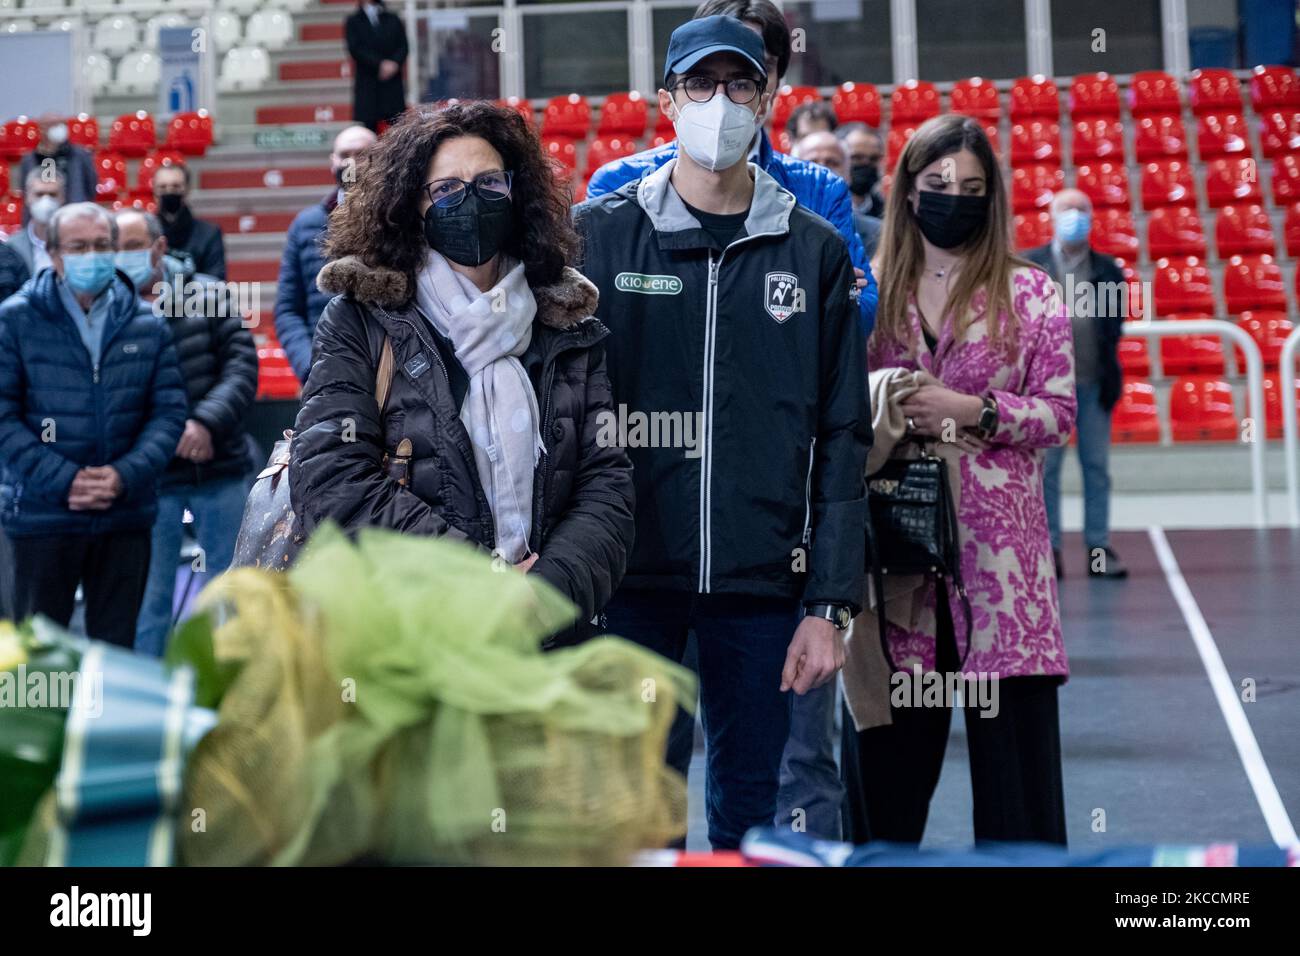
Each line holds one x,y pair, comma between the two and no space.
1110,564
1056,559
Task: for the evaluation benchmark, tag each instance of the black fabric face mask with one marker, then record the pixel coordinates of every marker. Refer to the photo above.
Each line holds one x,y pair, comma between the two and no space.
171,203
863,178
469,234
948,220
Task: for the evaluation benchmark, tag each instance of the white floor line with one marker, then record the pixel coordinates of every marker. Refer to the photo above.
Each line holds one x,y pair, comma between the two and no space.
1261,781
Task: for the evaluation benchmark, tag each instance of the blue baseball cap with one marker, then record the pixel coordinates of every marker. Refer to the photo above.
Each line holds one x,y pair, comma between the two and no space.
695,39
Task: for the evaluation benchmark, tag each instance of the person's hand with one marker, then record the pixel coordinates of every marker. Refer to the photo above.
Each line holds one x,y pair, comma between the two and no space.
524,566
816,653
94,489
859,278
938,412
388,69
196,442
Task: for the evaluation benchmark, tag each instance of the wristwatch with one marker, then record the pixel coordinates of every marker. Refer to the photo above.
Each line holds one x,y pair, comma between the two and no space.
837,614
988,422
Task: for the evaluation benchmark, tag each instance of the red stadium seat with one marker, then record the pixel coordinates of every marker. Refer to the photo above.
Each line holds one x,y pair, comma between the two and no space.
1182,285
1175,231
1153,91
83,130
787,99
1094,94
659,139
136,201
567,116
1243,230
1286,179
11,214
1229,181
520,105
1279,132
991,131
1291,230
1097,137
1105,183
1035,96
111,170
976,97
1253,282
603,149
1213,90
1274,88
133,134
1140,306
1135,419
623,114
1167,182
1033,229
781,142
1222,134
1114,233
1191,354
899,134
1032,187
1035,141
1273,399
857,103
579,192
1134,359
190,133
275,378
1160,136
913,102
563,151
1201,409
1269,329
18,137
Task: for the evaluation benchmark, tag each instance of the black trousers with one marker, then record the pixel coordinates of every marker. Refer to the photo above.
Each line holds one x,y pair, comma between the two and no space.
890,773
112,569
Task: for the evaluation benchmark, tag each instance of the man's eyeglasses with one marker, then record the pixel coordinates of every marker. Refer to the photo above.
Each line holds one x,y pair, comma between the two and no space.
701,88
450,193
81,248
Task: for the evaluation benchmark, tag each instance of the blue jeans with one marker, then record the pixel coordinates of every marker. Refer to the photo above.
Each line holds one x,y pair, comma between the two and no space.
217,508
1093,425
742,645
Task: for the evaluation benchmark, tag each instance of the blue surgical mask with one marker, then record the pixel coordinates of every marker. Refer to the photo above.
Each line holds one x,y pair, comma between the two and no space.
138,268
87,273
1072,226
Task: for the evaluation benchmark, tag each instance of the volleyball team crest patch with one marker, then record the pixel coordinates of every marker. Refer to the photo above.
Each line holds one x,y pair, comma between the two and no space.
782,295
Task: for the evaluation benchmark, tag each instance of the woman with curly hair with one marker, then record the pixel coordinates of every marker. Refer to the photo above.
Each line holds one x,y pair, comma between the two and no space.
452,249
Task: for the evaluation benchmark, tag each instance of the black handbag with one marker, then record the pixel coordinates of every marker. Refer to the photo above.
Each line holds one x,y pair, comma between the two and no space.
912,529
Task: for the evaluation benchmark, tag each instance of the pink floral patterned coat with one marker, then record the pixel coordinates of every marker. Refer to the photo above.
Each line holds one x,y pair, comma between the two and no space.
1006,552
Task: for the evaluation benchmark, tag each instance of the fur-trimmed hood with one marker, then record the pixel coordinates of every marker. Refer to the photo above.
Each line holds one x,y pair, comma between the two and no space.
561,306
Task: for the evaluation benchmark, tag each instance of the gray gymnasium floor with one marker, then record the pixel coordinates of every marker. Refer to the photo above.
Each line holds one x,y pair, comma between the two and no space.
1145,738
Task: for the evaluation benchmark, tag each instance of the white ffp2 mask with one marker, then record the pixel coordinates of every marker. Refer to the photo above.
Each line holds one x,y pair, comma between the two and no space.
715,134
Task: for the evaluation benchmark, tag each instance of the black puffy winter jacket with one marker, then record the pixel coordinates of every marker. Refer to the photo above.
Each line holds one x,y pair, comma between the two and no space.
583,500
219,364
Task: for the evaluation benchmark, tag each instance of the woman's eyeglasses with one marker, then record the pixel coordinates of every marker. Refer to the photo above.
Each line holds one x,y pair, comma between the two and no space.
450,193
701,88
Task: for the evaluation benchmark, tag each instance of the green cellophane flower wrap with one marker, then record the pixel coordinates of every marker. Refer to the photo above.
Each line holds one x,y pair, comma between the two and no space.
393,704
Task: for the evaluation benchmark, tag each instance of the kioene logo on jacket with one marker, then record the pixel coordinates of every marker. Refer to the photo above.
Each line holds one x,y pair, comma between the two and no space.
647,285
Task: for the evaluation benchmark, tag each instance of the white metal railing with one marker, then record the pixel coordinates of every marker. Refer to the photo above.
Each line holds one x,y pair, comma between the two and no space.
1254,389
1290,428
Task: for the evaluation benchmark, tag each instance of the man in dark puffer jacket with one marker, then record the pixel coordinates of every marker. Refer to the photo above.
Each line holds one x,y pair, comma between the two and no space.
91,407
208,474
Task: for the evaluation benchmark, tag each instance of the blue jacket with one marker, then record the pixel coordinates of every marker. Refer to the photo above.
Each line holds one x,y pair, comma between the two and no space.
815,188
298,303
60,412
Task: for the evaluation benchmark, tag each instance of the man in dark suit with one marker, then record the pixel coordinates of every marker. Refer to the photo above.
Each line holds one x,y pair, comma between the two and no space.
195,240
825,149
377,42
1095,295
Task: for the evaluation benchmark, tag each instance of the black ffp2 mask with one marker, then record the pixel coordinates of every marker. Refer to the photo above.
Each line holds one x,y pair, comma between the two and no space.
863,178
949,220
469,234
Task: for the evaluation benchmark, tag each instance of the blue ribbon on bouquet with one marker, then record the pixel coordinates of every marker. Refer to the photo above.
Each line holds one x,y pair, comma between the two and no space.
129,731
